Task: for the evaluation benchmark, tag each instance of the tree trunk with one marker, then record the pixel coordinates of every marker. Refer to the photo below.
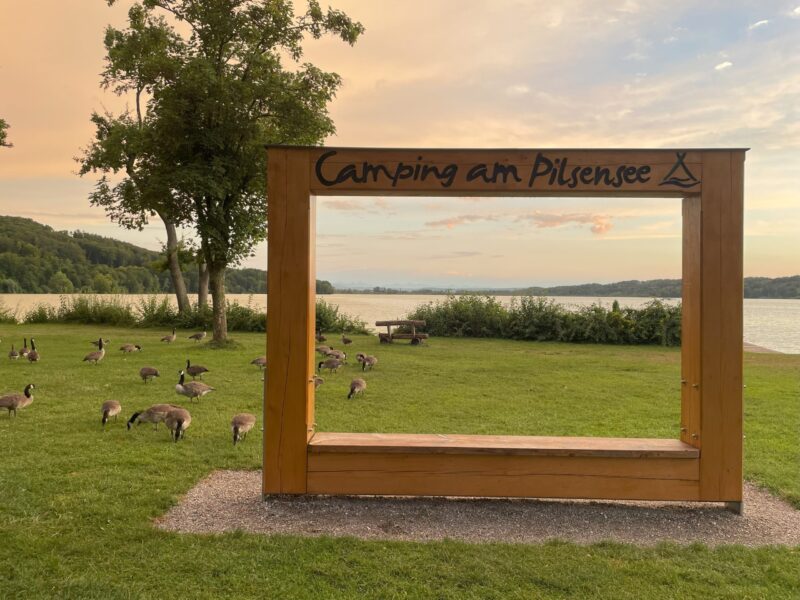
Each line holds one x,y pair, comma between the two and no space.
178,284
202,285
220,320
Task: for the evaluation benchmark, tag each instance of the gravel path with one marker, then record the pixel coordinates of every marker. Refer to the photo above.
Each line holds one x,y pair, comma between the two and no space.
231,500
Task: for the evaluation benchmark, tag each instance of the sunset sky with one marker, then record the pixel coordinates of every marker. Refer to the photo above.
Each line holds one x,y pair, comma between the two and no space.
470,73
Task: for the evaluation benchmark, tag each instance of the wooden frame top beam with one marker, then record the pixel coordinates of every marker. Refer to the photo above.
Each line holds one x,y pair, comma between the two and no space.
488,172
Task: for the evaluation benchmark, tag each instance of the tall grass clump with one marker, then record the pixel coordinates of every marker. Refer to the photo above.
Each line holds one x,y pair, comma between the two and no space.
86,310
329,318
6,314
542,319
155,311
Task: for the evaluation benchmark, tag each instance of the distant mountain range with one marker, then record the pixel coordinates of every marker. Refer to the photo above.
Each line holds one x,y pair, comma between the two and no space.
36,259
754,287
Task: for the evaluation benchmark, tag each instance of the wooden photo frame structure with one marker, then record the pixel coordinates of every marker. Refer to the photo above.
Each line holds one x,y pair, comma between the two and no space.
703,463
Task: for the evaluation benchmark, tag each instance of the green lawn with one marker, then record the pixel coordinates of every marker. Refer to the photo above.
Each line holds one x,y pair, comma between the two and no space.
76,503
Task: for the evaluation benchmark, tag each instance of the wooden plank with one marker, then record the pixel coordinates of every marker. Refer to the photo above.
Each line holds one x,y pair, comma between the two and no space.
508,486
409,336
666,172
491,465
712,335
499,444
690,322
732,292
290,322
400,322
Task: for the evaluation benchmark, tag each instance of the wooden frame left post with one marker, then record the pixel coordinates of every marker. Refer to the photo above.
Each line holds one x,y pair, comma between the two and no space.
291,277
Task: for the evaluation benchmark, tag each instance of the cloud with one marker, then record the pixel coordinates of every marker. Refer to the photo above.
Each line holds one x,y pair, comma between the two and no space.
363,205
796,12
518,89
600,224
453,222
758,24
455,254
723,65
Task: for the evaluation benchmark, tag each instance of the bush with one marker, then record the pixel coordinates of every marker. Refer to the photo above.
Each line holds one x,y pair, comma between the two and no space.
463,316
541,319
6,314
330,319
84,309
154,311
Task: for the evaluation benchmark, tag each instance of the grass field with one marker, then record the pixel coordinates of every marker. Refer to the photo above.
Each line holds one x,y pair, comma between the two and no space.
76,503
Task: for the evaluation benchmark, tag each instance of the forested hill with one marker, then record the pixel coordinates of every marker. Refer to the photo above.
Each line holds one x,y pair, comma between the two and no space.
754,287
34,259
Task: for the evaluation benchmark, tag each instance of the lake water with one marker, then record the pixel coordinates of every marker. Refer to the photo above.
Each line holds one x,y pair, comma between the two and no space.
774,324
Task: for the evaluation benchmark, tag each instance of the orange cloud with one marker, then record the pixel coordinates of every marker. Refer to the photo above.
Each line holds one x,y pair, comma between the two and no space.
600,224
452,222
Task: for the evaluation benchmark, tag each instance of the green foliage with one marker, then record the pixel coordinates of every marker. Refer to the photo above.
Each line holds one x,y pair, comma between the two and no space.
35,259
86,310
209,95
541,319
4,143
6,314
156,311
79,504
329,319
325,287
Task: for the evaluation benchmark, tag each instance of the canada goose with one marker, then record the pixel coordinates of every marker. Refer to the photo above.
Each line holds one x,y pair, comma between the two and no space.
332,364
318,381
128,348
155,415
192,389
33,355
147,373
13,354
357,386
110,408
346,341
319,337
240,425
96,343
170,337
178,421
95,357
324,350
369,361
13,402
24,352
195,370
342,356
260,362
198,336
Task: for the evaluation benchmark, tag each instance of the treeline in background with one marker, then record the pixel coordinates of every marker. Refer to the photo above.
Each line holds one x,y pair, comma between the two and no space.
35,259
754,287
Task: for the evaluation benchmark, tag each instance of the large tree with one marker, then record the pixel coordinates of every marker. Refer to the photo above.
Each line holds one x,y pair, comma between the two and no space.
3,133
138,61
230,95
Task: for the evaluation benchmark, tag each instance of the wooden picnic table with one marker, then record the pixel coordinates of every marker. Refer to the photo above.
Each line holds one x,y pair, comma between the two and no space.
389,337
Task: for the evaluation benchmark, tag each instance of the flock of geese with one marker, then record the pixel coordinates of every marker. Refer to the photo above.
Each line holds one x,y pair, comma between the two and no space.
335,359
176,418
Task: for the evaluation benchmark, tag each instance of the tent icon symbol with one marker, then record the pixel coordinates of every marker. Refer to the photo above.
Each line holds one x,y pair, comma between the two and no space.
680,174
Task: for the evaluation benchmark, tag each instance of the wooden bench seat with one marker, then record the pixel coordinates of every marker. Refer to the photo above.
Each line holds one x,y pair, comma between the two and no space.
411,443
